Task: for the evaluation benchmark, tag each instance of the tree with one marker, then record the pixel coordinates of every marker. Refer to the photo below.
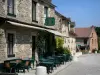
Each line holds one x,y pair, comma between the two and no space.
99,43
98,33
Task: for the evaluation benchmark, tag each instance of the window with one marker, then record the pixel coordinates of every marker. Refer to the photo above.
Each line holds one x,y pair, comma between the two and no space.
92,34
95,41
72,41
65,40
68,41
33,11
92,41
45,11
10,7
10,44
85,41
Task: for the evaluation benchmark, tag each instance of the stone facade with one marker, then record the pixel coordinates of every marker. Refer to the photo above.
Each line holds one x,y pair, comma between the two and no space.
22,42
2,8
63,27
93,40
22,35
2,45
58,22
72,45
23,11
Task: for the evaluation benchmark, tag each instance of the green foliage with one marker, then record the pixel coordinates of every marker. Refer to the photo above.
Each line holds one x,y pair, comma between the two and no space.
85,51
62,50
98,33
98,51
59,50
59,42
66,51
59,47
99,43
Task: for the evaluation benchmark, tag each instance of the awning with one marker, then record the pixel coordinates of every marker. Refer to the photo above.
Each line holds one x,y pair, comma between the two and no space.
38,28
24,25
56,33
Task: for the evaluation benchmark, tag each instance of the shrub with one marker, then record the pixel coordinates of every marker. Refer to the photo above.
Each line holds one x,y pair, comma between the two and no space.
99,43
85,51
59,42
66,51
98,51
59,50
62,50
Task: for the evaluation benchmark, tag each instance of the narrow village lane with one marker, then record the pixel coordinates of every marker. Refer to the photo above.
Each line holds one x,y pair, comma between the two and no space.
86,65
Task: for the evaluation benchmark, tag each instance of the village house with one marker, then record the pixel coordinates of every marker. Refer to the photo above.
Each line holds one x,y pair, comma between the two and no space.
86,38
27,28
66,27
72,38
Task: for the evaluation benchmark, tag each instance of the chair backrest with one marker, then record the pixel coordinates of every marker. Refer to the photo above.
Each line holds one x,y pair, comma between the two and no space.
18,61
27,63
7,64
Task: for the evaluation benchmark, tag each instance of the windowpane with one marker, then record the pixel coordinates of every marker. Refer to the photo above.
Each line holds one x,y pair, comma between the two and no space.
11,6
46,11
33,10
92,41
10,3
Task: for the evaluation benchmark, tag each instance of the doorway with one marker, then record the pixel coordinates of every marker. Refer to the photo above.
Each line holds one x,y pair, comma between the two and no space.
33,46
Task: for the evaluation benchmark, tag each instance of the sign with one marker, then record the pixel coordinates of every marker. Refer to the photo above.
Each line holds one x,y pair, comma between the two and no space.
50,21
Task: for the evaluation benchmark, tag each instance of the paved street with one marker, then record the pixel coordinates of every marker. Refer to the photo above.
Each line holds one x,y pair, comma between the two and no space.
86,65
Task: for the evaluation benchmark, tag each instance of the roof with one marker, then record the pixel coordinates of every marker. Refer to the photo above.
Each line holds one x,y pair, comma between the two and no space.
72,33
64,17
49,3
83,32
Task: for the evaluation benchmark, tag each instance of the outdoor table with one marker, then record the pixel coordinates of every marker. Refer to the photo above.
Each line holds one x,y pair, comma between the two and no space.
13,63
53,60
48,64
59,59
30,60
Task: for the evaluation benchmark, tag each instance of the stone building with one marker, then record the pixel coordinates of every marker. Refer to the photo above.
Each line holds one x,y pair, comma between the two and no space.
72,38
64,25
23,32
86,38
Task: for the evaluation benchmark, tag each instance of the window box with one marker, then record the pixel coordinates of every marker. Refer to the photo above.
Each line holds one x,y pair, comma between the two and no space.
9,14
13,55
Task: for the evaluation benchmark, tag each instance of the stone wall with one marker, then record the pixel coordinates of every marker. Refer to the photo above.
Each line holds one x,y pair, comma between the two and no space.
58,22
23,44
2,9
72,45
2,45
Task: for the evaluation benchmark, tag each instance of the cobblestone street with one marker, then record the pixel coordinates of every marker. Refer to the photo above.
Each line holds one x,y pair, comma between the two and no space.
86,65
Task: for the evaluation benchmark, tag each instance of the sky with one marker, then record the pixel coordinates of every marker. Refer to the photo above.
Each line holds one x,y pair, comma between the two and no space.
85,13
